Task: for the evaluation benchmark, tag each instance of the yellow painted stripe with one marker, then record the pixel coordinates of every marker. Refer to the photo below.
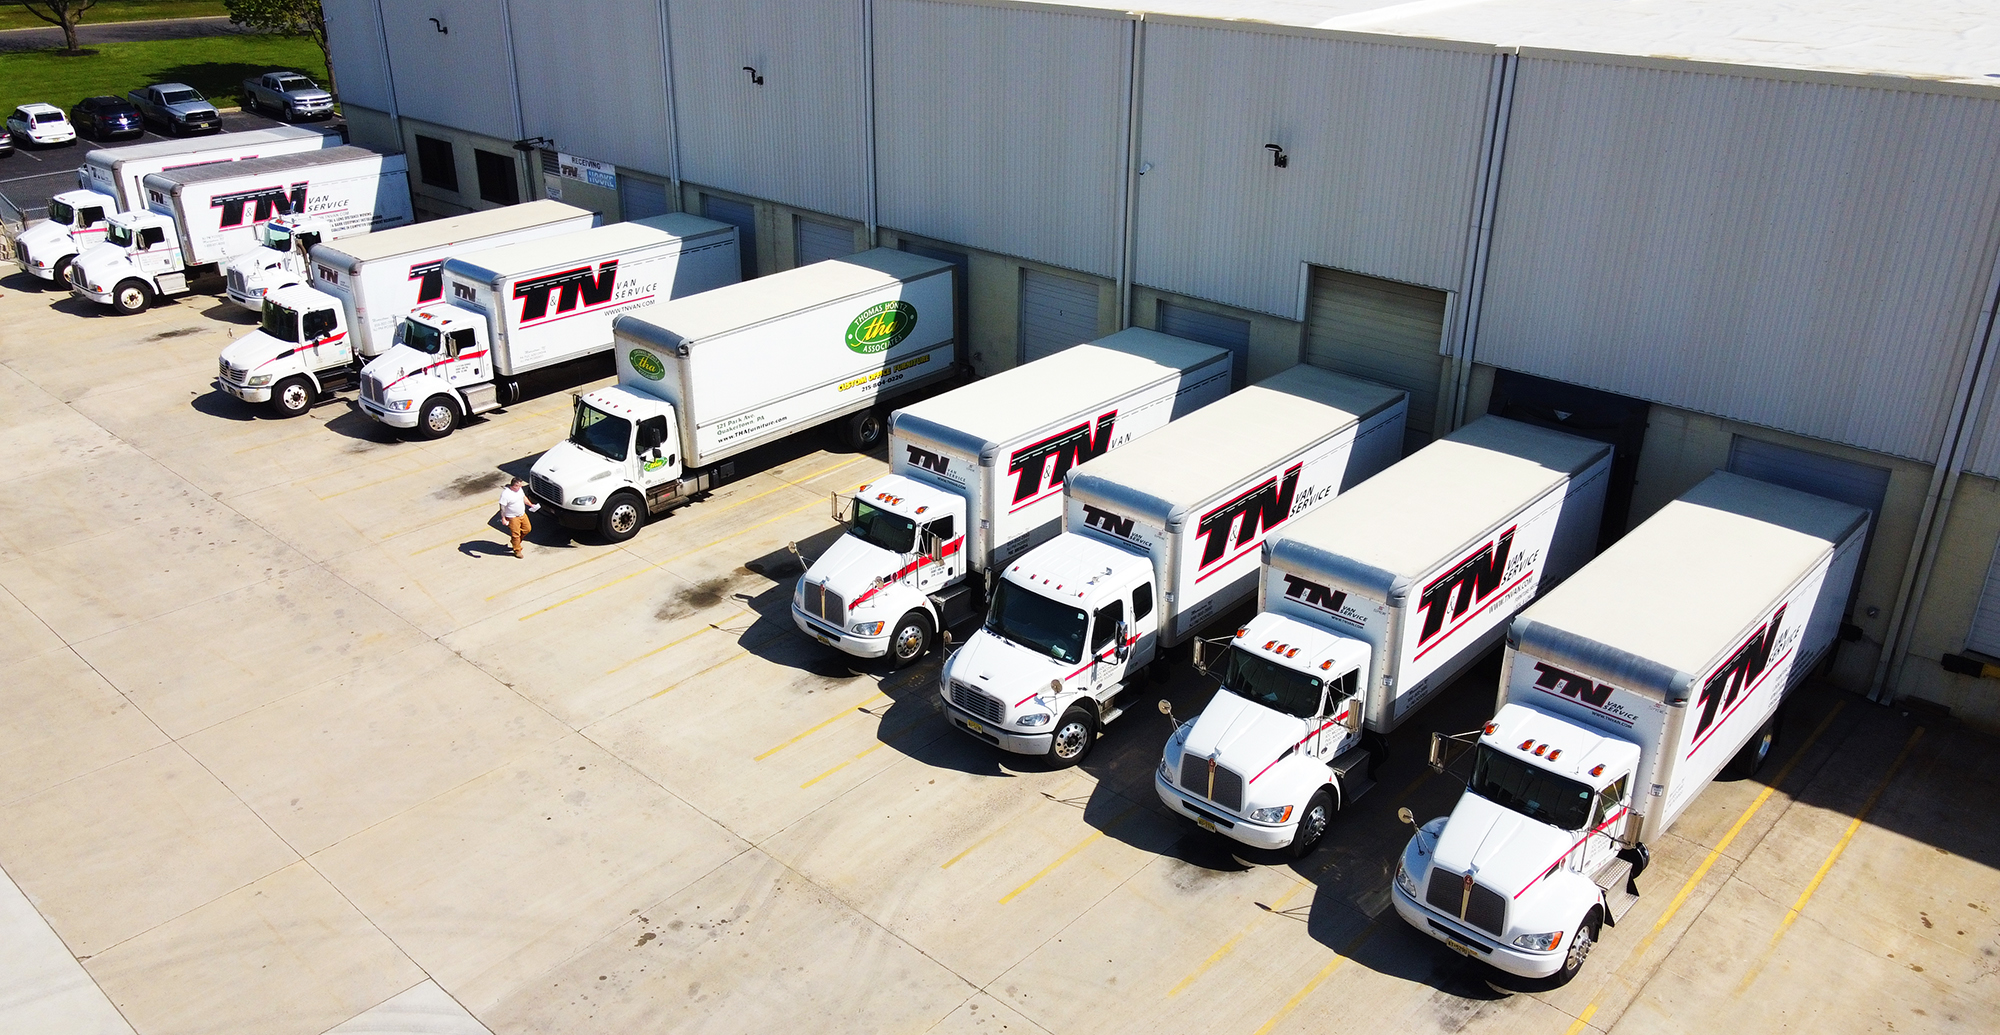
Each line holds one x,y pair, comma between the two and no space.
1230,945
703,672
1324,973
990,835
440,520
378,481
614,670
1066,856
842,714
879,745
1831,857
1582,1019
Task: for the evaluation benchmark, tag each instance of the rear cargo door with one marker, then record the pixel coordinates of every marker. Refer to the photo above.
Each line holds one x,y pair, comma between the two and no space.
1384,331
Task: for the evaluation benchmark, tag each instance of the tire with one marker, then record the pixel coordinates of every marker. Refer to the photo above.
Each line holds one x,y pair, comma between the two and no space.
1075,732
1751,757
292,397
437,417
910,639
131,296
622,517
863,431
62,272
1313,821
1580,944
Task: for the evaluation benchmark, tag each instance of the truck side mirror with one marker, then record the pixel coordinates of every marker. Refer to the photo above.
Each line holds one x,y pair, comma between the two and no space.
1122,649
1437,752
1201,655
1404,815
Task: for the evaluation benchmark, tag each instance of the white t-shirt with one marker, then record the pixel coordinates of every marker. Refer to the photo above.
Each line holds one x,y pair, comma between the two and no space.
513,503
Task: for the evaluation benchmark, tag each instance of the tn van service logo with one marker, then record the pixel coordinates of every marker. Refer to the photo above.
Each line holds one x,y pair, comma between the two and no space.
430,278
262,203
1471,581
1246,518
582,284
881,327
647,364
1030,463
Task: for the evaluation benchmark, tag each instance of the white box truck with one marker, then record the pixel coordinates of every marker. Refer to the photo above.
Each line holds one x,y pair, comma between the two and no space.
531,305
361,288
1158,538
975,480
1369,607
701,379
1623,693
108,183
200,216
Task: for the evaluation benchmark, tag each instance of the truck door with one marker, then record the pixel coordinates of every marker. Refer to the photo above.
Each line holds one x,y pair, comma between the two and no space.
468,360
1145,625
943,555
1607,819
89,220
658,468
1343,711
155,255
1108,652
321,328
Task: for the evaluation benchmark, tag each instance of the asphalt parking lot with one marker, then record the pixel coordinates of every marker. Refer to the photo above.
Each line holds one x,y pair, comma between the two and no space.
289,745
32,175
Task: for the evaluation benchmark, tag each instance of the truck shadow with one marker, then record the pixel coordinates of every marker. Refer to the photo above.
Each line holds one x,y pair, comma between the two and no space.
230,312
25,282
218,403
357,425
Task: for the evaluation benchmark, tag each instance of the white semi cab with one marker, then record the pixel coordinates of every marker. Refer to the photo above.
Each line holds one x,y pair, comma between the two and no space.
702,379
199,216
1623,693
1158,538
531,305
975,480
279,260
108,183
1369,607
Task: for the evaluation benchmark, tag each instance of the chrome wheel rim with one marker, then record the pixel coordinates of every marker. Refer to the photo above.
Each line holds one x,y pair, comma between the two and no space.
1314,825
624,518
1070,739
294,397
909,640
439,419
131,298
1579,950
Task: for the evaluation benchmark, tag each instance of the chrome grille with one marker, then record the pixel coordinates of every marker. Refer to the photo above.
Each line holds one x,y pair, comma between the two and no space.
975,701
236,282
544,488
371,389
1483,908
1228,791
235,375
826,604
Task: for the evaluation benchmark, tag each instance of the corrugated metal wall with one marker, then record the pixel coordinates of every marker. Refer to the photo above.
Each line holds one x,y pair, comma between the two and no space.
1383,142
799,139
1803,255
459,78
1003,128
354,38
610,103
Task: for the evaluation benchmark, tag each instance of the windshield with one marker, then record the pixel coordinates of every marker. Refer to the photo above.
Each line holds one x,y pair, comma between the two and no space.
277,237
179,96
1034,621
1257,678
422,337
60,212
119,235
280,323
292,82
600,432
891,532
1530,790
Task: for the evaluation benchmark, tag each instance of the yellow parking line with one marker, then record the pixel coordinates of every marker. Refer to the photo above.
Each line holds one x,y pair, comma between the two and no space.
1230,945
878,745
378,481
989,835
440,520
842,714
711,627
703,672
1324,973
1066,856
1582,1019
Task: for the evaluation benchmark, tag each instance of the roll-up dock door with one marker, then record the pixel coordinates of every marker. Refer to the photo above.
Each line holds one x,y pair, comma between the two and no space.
1384,331
1056,313
815,241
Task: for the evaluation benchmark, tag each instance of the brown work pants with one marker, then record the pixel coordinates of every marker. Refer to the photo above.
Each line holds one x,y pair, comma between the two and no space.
516,528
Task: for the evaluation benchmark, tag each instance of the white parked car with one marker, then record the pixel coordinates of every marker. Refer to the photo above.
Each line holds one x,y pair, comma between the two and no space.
42,124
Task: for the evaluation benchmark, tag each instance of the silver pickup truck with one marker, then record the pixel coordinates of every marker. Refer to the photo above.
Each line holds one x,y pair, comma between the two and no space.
288,95
177,108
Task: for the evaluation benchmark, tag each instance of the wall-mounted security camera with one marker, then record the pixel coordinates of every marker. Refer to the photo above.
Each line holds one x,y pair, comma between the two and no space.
1278,156
440,26
755,79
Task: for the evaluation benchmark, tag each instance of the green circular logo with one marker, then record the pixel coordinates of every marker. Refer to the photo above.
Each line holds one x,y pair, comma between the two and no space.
647,364
882,327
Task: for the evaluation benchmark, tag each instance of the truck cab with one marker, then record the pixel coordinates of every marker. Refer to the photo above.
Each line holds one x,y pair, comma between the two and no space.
78,219
1280,749
621,463
1531,862
279,260
1071,623
139,260
872,593
439,370
300,351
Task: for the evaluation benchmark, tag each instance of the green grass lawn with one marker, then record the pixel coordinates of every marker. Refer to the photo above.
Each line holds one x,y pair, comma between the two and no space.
13,16
215,65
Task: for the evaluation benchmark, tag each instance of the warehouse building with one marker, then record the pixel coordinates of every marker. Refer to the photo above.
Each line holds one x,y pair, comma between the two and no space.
1756,235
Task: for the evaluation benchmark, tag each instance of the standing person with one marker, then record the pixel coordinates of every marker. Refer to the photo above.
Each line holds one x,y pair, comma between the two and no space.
514,507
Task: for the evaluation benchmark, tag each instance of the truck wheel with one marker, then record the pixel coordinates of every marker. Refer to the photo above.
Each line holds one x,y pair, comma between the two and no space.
62,272
864,431
911,638
131,296
292,397
1318,815
1751,758
1075,732
621,517
1580,945
437,417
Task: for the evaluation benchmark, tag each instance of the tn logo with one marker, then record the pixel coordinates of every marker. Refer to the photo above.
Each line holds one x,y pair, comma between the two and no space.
591,287
1469,581
1261,509
1069,448
929,461
1106,520
1569,684
1312,594
263,203
1741,670
431,276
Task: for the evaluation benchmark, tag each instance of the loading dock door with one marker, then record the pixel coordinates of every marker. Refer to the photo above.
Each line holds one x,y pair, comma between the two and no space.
1223,332
815,241
1056,313
744,219
1383,331
1588,413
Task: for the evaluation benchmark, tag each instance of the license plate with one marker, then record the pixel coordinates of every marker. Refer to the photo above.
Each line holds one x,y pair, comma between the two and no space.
1461,948
1205,823
822,639
974,727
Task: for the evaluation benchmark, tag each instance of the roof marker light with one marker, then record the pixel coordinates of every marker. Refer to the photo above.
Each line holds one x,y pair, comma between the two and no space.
1553,755
1327,664
1293,653
1526,744
1240,632
1597,770
1268,644
1539,749
1492,728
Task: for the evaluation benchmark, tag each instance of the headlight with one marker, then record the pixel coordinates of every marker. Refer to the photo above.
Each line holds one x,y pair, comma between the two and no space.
1274,814
259,381
1540,942
1404,880
1166,771
1033,719
866,628
584,501
799,592
400,404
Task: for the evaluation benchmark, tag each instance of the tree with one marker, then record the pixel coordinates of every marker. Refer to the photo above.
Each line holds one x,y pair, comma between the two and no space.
285,18
66,13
